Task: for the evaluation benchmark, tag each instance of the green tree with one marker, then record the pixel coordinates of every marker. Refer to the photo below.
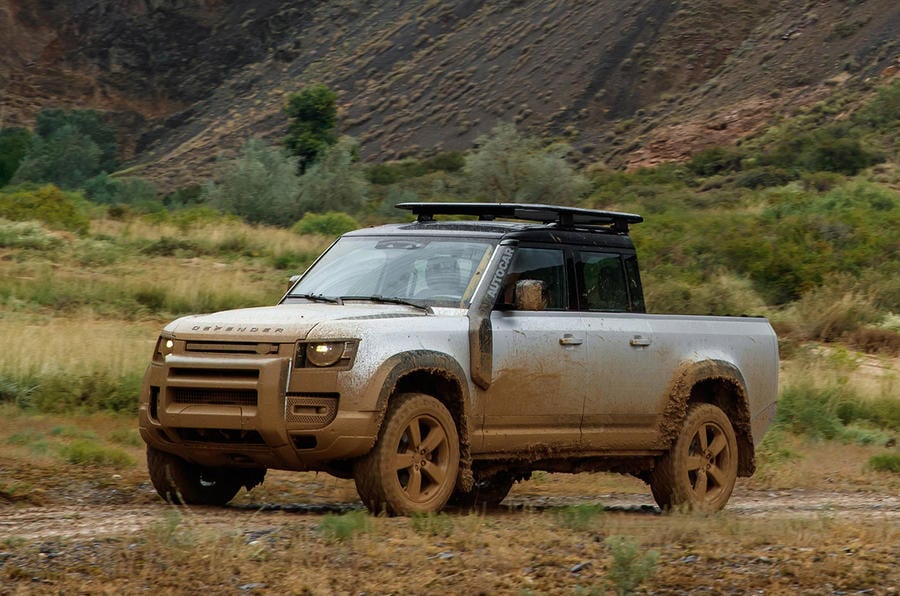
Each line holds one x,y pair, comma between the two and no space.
14,145
106,190
510,167
67,158
335,183
261,185
87,122
314,116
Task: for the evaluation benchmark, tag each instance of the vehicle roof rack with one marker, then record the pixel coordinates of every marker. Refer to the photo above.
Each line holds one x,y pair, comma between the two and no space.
562,217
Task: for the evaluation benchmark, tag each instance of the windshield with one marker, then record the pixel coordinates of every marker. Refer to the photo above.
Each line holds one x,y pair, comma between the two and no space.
422,270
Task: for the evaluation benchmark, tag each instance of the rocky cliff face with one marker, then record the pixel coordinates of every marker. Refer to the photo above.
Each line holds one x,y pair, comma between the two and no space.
627,81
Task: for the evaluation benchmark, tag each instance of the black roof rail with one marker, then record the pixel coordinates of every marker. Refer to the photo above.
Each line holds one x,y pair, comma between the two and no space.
562,217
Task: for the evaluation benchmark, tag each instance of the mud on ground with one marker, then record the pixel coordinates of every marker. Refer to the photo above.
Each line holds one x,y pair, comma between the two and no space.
94,531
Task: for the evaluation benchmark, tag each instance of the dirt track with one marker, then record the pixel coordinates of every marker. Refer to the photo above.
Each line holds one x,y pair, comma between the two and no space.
93,520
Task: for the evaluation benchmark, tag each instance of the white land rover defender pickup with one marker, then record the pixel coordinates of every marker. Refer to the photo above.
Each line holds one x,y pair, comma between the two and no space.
441,361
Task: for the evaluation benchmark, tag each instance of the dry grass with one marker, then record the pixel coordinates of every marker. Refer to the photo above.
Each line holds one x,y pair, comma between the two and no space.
48,344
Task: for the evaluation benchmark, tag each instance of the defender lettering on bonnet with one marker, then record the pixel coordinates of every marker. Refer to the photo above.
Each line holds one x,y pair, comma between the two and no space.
440,362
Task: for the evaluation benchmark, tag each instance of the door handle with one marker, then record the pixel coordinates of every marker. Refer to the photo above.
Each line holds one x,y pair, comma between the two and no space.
638,341
570,340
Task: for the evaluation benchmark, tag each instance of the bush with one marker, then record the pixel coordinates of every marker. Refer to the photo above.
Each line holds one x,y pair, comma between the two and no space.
715,160
340,528
26,234
261,185
67,158
63,393
333,183
763,177
630,566
833,311
106,190
58,209
580,517
88,123
511,168
91,453
333,223
885,462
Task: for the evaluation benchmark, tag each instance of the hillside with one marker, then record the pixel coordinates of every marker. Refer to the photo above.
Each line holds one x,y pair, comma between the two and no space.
630,83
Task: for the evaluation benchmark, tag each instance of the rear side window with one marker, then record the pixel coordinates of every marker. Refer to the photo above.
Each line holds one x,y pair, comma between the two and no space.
603,283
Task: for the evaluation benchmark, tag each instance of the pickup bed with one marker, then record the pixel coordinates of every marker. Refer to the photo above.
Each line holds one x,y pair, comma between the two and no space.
441,361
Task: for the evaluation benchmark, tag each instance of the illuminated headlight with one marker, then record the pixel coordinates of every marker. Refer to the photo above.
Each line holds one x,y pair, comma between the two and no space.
164,347
323,354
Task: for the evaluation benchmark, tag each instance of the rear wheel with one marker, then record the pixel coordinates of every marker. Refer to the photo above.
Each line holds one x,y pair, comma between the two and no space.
182,483
414,464
700,469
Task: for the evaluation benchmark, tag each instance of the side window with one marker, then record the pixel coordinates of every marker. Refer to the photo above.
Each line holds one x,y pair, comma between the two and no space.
547,265
634,284
603,282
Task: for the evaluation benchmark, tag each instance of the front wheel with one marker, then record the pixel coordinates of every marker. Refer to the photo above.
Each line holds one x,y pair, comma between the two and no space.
182,483
700,469
415,462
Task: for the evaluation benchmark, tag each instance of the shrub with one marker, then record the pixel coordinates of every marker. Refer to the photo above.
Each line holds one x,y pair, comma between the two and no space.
433,524
833,311
88,123
62,393
715,160
261,185
49,204
579,517
763,177
90,452
106,190
26,234
630,566
340,528
511,168
806,410
885,462
333,183
333,223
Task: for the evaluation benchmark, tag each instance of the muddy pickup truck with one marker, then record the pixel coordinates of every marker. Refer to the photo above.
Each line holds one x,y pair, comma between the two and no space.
440,361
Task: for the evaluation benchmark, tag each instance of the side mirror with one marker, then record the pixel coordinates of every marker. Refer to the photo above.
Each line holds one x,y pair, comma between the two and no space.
531,294
292,280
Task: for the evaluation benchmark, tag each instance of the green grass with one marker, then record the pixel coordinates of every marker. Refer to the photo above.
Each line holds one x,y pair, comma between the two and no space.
341,528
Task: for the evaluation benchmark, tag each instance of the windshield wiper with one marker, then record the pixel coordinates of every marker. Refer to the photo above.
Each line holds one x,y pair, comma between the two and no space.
316,298
390,300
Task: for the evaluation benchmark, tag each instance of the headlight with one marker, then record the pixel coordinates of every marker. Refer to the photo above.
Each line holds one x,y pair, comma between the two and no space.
323,354
164,347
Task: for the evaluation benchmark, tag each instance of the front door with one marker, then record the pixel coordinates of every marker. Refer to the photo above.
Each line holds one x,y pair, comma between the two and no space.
533,402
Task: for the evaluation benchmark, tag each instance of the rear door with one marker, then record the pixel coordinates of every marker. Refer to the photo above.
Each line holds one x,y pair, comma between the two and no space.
621,387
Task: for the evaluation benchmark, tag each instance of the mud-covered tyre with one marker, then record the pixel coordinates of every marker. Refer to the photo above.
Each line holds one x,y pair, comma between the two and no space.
485,494
414,464
699,471
183,483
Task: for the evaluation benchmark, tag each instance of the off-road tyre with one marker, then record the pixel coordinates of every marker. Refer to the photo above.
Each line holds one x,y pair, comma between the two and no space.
183,483
414,464
699,470
486,493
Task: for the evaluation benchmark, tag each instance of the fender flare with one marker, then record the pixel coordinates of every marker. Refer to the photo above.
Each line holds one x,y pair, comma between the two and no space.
446,369
678,397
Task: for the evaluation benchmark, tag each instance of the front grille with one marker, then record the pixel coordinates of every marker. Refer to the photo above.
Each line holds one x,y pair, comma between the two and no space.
231,347
223,397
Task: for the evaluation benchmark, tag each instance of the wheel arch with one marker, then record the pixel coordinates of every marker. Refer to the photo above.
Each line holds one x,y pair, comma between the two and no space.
441,376
715,382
